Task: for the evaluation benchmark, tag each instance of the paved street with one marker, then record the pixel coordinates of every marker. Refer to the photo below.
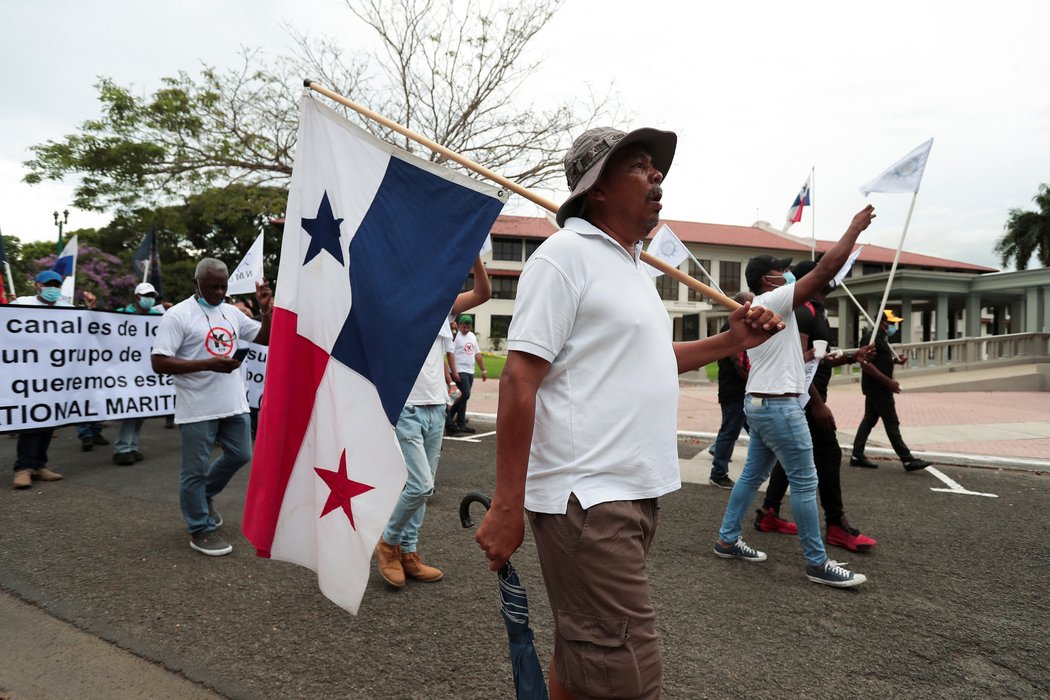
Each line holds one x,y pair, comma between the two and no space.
955,605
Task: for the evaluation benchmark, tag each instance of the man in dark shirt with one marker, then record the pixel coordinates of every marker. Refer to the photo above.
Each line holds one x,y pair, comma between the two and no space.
813,325
879,386
732,378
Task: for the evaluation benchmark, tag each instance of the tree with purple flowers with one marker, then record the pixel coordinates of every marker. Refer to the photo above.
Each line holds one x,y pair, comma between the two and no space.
104,275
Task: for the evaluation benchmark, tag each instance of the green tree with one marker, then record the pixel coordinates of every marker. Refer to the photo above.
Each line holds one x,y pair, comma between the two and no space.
1027,233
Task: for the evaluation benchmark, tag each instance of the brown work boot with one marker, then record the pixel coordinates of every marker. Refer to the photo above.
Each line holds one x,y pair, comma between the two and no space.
23,479
415,568
45,474
388,556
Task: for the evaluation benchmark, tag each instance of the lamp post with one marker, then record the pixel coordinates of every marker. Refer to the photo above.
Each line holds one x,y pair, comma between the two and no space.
60,223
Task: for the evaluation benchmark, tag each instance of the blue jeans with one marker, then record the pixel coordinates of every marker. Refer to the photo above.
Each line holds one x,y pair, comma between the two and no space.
778,432
722,451
128,435
202,478
86,431
419,431
31,449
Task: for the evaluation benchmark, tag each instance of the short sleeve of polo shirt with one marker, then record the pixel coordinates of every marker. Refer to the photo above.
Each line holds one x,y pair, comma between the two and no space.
545,311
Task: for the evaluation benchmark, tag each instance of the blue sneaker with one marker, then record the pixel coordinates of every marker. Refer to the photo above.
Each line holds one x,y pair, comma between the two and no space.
739,550
834,573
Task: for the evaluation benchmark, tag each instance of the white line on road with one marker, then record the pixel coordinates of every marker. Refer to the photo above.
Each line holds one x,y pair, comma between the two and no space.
954,486
472,438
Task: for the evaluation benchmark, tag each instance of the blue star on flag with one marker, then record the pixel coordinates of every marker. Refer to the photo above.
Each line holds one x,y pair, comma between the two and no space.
324,232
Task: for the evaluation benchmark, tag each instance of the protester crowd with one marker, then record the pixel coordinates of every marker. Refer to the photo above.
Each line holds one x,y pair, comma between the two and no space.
582,466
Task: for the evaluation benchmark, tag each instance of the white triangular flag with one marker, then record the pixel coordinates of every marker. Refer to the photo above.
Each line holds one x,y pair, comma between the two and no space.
250,271
841,274
666,246
904,175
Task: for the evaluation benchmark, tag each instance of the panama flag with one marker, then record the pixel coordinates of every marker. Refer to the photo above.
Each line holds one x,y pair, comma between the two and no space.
66,265
376,246
802,200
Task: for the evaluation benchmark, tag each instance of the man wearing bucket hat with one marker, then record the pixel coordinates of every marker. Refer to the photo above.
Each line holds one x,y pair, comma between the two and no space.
779,431
879,386
31,450
571,447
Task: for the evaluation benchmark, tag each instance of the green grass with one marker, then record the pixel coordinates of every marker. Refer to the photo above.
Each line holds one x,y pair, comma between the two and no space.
494,364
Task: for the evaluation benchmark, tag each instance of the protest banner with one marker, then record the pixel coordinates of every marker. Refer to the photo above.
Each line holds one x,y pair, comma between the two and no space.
64,366
254,369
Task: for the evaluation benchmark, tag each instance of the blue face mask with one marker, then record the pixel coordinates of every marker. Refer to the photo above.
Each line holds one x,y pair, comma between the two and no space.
147,302
201,300
892,330
789,277
50,294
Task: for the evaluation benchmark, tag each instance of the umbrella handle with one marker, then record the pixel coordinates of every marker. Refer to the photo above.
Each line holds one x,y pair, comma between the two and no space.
468,500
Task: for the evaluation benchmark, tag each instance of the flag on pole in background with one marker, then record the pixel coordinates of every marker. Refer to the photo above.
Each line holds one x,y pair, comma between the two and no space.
666,246
802,200
376,246
249,271
841,274
146,261
904,175
4,269
66,265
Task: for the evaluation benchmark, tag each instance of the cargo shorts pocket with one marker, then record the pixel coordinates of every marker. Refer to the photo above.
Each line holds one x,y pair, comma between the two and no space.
594,657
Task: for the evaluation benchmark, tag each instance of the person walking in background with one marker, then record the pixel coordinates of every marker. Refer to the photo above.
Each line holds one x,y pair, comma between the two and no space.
879,386
732,378
126,444
466,355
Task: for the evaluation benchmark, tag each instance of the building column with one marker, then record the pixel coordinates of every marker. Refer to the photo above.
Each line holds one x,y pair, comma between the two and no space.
1017,315
942,317
1046,311
973,316
909,322
845,323
1031,307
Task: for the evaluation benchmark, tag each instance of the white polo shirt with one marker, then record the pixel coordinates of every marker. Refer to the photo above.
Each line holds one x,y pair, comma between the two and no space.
606,413
777,366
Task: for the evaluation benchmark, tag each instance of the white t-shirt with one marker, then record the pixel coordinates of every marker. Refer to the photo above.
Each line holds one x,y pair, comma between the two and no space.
191,331
430,388
35,301
776,365
466,348
606,413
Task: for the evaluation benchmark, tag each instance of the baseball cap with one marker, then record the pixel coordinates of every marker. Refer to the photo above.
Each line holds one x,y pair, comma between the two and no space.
586,159
464,318
49,276
759,266
891,317
145,288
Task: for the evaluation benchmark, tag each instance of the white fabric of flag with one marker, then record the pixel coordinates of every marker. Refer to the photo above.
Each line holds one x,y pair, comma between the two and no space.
66,265
665,246
250,271
841,274
903,176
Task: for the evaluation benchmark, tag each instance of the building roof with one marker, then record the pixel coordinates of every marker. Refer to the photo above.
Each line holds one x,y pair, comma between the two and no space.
756,237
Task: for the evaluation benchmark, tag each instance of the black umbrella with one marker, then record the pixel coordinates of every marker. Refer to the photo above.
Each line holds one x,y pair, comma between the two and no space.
514,607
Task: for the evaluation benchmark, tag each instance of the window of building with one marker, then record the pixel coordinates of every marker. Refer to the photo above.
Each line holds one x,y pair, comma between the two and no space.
498,326
468,283
530,248
504,287
729,277
506,248
667,287
696,273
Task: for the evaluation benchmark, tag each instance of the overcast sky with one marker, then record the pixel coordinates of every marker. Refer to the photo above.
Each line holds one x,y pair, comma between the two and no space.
758,92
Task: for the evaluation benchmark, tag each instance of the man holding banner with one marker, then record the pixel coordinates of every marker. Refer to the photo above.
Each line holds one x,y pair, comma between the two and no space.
31,452
196,342
126,444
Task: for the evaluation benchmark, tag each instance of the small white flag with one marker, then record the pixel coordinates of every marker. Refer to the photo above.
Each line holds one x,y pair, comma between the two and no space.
666,246
841,274
904,175
250,271
66,265
486,247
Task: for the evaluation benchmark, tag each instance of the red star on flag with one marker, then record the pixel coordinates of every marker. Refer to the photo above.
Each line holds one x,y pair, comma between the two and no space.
343,489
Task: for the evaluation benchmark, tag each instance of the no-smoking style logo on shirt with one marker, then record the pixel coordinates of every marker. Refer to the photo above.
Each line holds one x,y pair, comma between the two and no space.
219,341
468,348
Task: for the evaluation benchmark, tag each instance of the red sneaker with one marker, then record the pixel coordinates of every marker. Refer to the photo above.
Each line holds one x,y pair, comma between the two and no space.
850,537
767,520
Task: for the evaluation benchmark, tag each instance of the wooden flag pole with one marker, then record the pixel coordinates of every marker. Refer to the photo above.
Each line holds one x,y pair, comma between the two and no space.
893,269
694,284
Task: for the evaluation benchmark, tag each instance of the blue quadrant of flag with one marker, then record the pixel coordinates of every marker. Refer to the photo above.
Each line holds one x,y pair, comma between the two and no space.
407,262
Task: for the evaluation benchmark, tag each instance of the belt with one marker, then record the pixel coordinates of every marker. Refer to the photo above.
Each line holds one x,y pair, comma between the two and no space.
775,396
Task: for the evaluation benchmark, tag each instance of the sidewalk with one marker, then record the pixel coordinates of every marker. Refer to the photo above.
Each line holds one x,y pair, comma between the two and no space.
1000,429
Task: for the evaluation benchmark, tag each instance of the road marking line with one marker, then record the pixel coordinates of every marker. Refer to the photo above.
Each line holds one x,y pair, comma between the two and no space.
472,438
954,486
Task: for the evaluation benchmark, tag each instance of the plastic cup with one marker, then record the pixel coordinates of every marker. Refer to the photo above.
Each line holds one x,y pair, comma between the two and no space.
820,348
